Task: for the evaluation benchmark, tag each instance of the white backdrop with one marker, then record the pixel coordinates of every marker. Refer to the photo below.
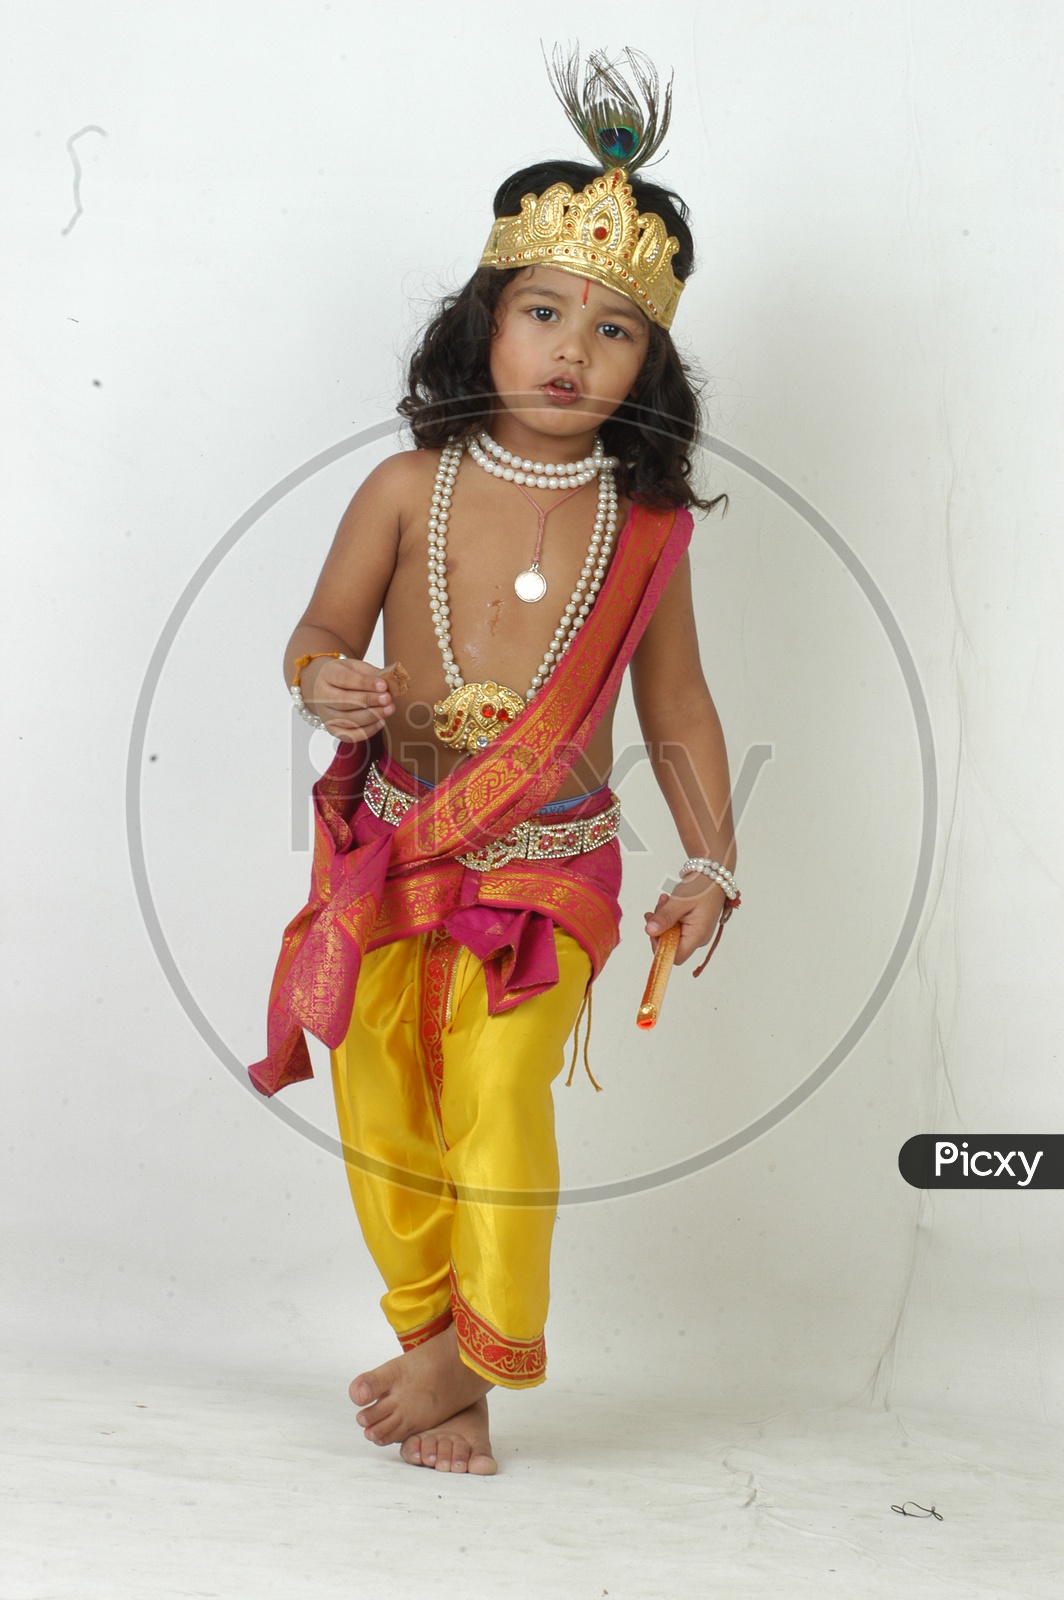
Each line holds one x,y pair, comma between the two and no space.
271,195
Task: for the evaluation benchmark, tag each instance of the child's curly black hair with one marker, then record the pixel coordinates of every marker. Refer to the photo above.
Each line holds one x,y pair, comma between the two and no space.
449,388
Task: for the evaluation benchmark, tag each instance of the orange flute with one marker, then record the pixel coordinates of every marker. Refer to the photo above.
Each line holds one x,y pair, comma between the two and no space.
654,993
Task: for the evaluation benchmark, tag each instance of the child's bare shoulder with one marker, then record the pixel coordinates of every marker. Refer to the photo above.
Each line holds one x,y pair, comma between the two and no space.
400,486
393,496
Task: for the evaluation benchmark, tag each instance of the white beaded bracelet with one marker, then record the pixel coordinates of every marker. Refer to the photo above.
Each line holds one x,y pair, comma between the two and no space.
714,870
308,716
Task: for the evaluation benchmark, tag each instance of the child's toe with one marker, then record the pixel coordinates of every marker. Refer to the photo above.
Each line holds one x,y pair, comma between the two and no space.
377,1416
388,1430
363,1390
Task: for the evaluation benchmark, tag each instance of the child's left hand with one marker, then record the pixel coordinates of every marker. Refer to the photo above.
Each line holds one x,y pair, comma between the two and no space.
696,905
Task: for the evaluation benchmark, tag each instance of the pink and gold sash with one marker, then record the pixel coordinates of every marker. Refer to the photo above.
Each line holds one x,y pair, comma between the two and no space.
322,948
505,916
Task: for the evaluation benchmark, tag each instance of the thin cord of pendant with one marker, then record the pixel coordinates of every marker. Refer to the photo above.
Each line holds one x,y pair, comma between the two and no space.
543,512
583,596
530,585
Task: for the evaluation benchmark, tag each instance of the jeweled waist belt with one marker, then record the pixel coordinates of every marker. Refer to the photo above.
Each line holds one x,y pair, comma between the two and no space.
529,841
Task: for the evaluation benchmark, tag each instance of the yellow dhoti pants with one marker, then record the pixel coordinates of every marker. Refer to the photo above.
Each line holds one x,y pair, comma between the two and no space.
447,1120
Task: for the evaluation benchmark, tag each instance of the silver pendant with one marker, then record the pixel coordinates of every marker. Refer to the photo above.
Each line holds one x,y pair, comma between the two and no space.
530,585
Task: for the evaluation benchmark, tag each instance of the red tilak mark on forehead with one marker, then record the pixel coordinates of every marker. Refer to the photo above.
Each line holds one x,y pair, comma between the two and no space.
587,291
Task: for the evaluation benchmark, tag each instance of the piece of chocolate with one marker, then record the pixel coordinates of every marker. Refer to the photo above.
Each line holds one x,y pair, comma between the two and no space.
398,679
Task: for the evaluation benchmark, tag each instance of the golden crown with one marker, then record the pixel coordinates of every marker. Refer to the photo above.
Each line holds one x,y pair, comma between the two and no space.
600,232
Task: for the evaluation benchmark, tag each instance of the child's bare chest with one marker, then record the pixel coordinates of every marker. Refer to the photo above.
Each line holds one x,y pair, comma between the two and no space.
477,610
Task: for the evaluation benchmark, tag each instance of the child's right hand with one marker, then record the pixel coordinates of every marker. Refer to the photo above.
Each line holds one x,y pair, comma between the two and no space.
352,698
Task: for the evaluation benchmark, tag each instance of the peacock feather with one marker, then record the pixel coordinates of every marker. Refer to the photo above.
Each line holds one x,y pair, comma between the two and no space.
622,126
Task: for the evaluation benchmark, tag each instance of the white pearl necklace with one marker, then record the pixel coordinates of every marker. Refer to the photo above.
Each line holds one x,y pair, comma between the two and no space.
580,602
539,474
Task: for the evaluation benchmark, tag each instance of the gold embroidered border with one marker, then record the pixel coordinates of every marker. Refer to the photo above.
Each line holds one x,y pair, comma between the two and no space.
515,1363
439,957
420,900
426,1330
569,900
417,900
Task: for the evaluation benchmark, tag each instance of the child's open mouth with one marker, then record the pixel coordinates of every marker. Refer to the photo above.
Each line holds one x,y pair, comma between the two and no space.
562,390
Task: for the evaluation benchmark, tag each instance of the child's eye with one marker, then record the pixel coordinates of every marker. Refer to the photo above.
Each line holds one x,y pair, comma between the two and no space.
547,312
612,331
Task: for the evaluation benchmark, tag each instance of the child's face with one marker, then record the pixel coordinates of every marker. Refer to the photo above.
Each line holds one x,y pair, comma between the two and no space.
567,351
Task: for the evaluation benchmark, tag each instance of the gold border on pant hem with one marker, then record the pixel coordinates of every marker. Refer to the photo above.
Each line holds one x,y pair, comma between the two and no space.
514,1363
426,1330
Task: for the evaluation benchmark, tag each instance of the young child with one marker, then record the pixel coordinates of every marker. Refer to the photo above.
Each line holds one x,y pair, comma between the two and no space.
467,867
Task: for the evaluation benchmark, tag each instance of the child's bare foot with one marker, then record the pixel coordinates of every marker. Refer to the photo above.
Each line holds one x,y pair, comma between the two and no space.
416,1391
461,1444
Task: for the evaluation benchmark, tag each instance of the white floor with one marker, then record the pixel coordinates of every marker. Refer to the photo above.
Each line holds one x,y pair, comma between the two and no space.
120,1483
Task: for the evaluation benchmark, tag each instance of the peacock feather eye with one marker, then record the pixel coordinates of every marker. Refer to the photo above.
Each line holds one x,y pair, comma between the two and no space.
617,107
618,143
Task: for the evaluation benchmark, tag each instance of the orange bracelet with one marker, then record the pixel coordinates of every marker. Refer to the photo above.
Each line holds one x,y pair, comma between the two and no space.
304,661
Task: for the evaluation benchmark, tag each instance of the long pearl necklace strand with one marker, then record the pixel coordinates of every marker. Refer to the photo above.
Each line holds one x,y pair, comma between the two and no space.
583,596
